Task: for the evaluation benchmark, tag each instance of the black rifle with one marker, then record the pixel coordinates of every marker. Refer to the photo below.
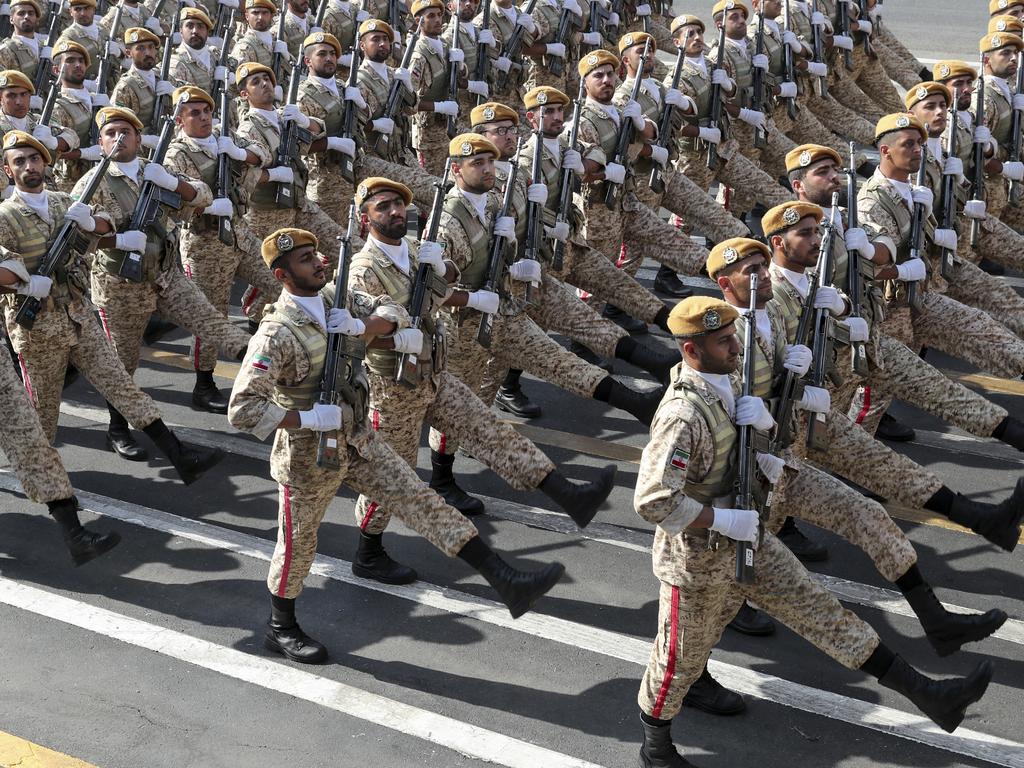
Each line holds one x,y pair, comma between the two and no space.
757,98
917,223
222,61
5,24
321,13
453,79
292,136
949,187
978,175
594,22
347,165
103,74
818,56
843,14
396,18
510,49
45,66
857,285
395,97
863,5
555,64
496,263
427,280
51,98
826,331
717,102
160,108
746,478
534,211
625,135
665,126
568,181
483,56
279,61
68,238
147,208
1015,129
344,360
790,66
225,232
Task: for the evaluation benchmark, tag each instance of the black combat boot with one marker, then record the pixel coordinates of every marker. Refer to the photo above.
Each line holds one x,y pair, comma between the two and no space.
373,562
587,355
948,631
120,440
626,322
190,461
709,695
894,431
658,751
206,396
70,376
580,502
518,590
82,544
1011,432
668,282
999,523
991,267
442,480
944,701
285,636
661,319
655,361
750,621
807,550
511,398
641,405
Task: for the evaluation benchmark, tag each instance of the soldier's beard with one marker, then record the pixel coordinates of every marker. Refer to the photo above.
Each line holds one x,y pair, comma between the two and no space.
379,56
388,230
196,43
31,182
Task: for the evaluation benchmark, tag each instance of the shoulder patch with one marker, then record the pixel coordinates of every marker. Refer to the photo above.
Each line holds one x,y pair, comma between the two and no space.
679,459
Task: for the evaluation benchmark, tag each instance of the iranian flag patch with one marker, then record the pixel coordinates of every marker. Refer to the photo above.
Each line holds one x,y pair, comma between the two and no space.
679,459
261,362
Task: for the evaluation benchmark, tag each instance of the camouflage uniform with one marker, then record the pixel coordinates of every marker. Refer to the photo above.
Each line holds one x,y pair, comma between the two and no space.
328,188
94,45
17,54
28,124
429,70
132,15
134,92
70,112
187,68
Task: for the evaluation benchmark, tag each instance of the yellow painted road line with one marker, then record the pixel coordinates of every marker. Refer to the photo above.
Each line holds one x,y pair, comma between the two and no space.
15,751
177,360
991,383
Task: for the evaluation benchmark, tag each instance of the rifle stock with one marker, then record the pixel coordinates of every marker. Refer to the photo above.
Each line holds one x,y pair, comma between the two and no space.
568,181
665,125
716,102
625,136
747,458
855,281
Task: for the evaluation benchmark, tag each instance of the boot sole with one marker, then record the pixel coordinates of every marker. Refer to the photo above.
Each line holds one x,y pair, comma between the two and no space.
973,635
553,574
502,406
272,645
192,475
601,493
975,686
713,710
366,573
113,539
199,405
142,455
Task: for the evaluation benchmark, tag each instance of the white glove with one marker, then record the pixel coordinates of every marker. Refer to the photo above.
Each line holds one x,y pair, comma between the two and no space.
792,41
591,38
573,7
100,100
228,3
45,136
433,254
383,125
153,25
573,161
1018,101
857,240
341,321
632,111
5,9
953,166
736,524
559,232
525,271
615,173
456,56
292,113
281,47
226,146
164,88
220,207
362,16
720,77
752,411
643,10
945,238
89,85
982,134
759,61
843,42
220,74
787,90
133,240
675,98
752,117
858,327
975,209
486,37
924,196
1014,171
771,466
503,63
483,301
797,359
537,193
911,271
710,135
160,176
322,417
815,400
404,76
281,173
342,144
80,213
818,19
35,103
479,88
659,155
817,68
408,340
91,154
613,19
345,60
37,287
555,49
150,140
828,298
505,226
450,108
525,20
865,26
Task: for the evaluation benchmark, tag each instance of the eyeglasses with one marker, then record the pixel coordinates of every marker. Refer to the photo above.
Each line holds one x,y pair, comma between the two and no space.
504,130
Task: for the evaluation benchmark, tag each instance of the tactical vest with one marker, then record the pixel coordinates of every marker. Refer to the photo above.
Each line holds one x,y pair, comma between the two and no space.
157,257
205,169
651,110
517,209
144,96
94,47
251,48
34,237
767,373
331,105
313,340
194,72
262,197
998,116
25,60
458,208
607,133
340,22
80,117
376,92
739,61
435,71
697,86
773,49
468,46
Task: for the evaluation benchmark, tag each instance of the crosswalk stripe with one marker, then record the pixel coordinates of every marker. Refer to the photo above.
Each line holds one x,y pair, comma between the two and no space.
965,741
464,738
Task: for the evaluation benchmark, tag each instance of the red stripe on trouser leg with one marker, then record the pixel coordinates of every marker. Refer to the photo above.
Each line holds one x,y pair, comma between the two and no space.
254,293
287,513
670,664
726,197
623,256
375,420
370,510
421,159
26,380
442,443
103,322
865,407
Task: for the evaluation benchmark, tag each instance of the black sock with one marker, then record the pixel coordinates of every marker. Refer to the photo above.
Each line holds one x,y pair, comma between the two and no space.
1000,429
911,579
282,610
204,377
624,348
878,662
661,319
65,512
653,720
941,501
475,552
603,389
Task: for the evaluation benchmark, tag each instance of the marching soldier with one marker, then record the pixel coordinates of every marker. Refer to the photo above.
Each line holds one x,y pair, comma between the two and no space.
133,14
86,32
463,12
21,50
276,392
194,61
428,70
258,43
342,19
73,111
296,25
139,87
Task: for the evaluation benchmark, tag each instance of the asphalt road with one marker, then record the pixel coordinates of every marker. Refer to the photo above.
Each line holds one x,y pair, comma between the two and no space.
151,657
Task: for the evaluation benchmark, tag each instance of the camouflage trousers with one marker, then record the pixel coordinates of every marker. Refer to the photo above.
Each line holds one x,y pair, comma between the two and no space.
516,342
558,309
882,34
1012,214
125,308
213,266
873,80
999,242
849,94
693,205
772,156
895,66
72,336
830,111
648,236
976,288
432,151
397,414
692,615
375,471
331,192
805,128
748,184
34,460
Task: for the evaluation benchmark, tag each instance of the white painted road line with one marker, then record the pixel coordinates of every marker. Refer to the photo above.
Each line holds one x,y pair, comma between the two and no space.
466,739
967,742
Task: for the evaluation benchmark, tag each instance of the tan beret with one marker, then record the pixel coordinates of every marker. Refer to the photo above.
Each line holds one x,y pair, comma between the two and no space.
88,3
376,25
284,241
265,4
951,68
12,78
636,38
492,112
187,94
728,252
700,315
325,38
15,139
376,184
598,58
112,114
925,90
250,68
543,95
899,121
33,3
727,5
134,35
789,214
470,144
808,154
70,46
198,14
998,40
1005,23
686,20
999,6
420,6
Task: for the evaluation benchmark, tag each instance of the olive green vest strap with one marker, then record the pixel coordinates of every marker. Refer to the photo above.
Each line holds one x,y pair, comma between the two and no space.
475,273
